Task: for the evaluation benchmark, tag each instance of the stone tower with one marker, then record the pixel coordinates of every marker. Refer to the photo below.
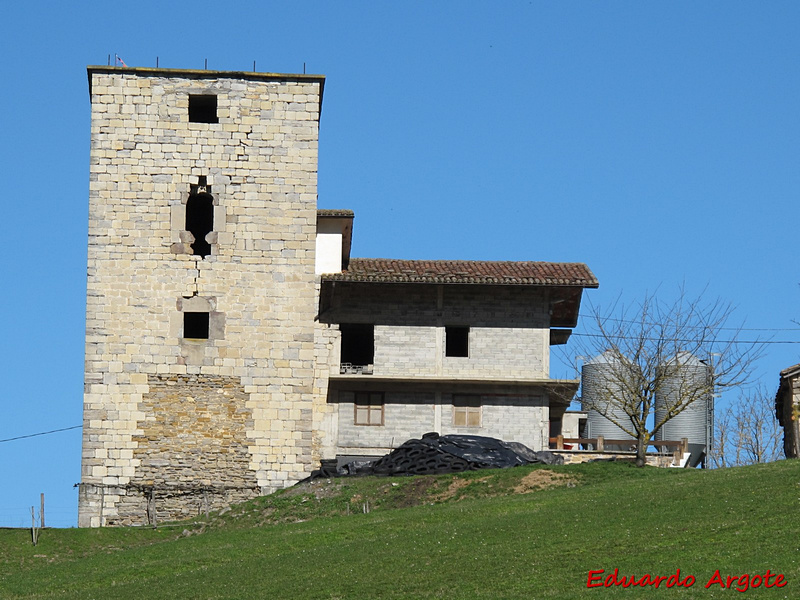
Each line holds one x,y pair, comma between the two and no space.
199,377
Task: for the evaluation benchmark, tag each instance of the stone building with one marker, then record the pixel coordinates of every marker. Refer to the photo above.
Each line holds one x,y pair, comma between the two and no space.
231,341
787,410
446,346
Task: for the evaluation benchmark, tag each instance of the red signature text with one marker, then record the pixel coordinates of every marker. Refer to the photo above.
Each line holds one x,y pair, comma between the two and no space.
614,579
740,583
744,582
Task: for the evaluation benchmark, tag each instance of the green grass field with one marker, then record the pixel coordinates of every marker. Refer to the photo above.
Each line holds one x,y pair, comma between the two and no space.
531,532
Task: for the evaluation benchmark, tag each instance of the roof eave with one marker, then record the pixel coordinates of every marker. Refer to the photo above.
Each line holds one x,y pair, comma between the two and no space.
344,278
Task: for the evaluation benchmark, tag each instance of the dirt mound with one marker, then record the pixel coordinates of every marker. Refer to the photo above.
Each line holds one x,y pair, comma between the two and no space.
542,480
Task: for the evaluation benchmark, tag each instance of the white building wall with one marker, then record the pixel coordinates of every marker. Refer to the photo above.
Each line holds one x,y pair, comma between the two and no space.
329,248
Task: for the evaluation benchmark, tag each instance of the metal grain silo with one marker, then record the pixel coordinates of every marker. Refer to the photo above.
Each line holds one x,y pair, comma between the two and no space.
682,377
601,377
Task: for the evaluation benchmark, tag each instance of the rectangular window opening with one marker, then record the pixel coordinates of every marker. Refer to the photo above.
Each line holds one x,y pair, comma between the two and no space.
195,325
358,344
466,411
369,408
456,341
203,109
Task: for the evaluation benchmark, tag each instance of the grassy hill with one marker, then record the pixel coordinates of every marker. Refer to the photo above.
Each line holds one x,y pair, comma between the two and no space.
532,532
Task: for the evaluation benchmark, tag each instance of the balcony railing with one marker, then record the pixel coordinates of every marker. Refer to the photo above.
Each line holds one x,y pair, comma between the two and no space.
678,450
599,443
350,369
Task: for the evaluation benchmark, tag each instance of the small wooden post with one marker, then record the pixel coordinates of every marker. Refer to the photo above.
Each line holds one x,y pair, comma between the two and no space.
600,444
205,501
685,444
41,511
559,442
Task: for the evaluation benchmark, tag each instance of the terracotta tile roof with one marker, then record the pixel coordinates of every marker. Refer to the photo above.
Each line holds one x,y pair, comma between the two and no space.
385,270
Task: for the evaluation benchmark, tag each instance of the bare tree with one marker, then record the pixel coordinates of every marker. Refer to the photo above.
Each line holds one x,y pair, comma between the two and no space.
747,432
662,349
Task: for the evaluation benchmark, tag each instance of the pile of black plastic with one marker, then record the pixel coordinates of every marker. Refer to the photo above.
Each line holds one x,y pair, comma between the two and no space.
435,454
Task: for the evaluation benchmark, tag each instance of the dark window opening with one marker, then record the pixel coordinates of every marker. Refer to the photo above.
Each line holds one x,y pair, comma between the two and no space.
200,221
203,109
456,341
368,408
358,344
195,325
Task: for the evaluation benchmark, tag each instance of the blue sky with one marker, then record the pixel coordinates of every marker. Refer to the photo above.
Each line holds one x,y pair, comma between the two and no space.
657,142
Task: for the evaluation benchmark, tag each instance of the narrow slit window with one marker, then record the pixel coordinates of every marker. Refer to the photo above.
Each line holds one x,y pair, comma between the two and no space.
456,340
200,222
203,109
195,325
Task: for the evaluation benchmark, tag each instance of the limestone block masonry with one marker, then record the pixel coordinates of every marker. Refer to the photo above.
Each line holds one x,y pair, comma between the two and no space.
175,424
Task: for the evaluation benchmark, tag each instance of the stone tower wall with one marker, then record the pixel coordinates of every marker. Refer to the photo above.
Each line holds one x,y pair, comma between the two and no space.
165,416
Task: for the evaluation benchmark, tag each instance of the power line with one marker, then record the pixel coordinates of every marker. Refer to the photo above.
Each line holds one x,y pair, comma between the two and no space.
30,435
612,336
794,329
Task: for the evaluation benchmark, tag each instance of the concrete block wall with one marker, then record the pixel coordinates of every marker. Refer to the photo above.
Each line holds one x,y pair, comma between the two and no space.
432,304
495,306
410,415
406,415
509,335
502,353
381,304
404,350
494,353
520,419
260,162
